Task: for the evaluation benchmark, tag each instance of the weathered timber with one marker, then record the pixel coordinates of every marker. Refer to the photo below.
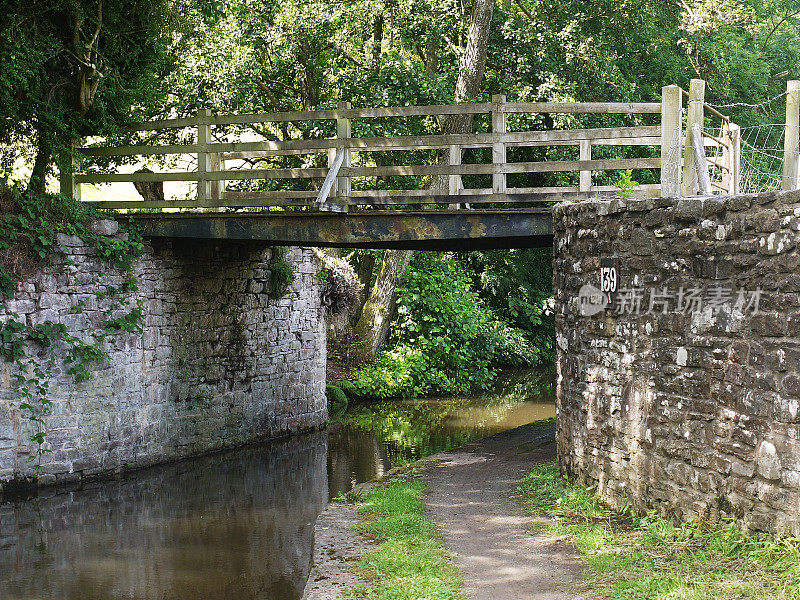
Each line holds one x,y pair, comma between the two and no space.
471,108
420,230
694,116
791,144
344,150
235,199
233,150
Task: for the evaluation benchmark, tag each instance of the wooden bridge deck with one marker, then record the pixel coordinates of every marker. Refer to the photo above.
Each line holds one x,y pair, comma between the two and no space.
415,230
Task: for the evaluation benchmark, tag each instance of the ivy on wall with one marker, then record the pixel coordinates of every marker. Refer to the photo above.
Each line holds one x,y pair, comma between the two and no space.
29,224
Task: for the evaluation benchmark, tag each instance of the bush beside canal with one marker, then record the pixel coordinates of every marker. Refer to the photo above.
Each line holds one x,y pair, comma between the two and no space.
448,337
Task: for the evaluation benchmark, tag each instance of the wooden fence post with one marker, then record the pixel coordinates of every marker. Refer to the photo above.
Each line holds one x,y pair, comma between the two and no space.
203,157
694,116
671,141
66,173
455,183
791,156
735,156
695,135
498,148
585,177
344,132
217,187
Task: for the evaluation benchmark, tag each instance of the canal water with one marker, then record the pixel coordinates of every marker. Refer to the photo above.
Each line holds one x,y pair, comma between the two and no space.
236,524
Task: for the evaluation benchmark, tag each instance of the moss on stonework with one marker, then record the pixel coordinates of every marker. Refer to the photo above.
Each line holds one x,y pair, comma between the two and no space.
281,276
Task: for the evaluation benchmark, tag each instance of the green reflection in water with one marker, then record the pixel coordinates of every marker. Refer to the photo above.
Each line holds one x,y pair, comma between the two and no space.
412,429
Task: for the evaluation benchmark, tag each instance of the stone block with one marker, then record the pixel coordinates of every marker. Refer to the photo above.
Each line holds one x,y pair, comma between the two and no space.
107,227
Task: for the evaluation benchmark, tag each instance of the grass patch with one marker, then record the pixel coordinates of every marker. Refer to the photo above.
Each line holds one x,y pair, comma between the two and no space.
647,557
410,562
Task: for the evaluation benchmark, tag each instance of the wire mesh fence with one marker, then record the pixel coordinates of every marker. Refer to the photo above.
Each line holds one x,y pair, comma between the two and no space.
762,141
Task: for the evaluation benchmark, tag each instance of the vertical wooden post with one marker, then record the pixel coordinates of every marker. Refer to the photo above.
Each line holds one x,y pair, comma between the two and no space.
736,157
203,157
791,156
695,135
727,157
585,183
66,173
217,187
498,148
455,183
671,141
344,132
694,116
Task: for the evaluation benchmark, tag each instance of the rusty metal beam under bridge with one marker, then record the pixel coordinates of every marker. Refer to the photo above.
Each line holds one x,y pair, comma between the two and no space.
417,230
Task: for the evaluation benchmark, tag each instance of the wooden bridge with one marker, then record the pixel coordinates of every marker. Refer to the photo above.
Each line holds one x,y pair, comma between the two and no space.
304,178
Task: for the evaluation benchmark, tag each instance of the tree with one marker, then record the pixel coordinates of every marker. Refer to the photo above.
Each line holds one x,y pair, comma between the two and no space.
73,68
373,323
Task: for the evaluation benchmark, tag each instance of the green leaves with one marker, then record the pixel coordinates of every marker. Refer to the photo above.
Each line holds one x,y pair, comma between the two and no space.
445,339
27,234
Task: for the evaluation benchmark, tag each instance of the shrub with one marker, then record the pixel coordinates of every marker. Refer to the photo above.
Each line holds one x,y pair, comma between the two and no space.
337,400
445,339
349,388
341,287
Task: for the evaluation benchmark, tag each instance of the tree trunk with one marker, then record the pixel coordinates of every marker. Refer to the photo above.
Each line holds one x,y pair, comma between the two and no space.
470,75
473,63
44,152
377,41
373,324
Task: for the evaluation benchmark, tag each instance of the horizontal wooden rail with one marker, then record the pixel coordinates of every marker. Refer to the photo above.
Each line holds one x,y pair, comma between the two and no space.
382,171
232,150
625,108
384,198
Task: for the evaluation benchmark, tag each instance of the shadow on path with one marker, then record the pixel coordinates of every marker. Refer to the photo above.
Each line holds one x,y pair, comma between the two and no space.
469,497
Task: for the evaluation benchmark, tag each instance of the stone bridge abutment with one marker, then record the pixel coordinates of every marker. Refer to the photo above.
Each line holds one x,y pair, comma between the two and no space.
222,359
680,389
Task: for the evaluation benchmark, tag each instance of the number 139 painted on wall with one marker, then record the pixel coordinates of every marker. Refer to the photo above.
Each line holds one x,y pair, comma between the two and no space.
609,277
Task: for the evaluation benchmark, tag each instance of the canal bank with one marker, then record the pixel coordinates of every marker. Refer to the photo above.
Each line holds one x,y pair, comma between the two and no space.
469,517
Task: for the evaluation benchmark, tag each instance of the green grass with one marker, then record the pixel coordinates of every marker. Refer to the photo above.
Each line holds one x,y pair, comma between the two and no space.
637,558
410,562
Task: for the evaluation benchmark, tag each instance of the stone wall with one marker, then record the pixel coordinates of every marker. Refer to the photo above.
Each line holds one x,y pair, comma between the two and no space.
219,362
688,406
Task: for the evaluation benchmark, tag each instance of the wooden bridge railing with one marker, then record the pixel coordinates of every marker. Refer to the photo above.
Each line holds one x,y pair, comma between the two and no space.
213,157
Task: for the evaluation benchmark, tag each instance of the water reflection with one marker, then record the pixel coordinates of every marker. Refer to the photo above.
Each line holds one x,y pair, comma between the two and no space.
238,524
231,525
380,436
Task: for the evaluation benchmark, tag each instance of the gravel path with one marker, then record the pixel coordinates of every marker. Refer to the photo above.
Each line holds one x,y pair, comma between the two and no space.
469,497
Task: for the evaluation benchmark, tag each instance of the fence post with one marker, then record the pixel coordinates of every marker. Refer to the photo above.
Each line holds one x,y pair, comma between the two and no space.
217,187
695,135
671,135
791,157
585,181
498,148
736,157
66,173
344,131
203,157
455,183
727,157
694,116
